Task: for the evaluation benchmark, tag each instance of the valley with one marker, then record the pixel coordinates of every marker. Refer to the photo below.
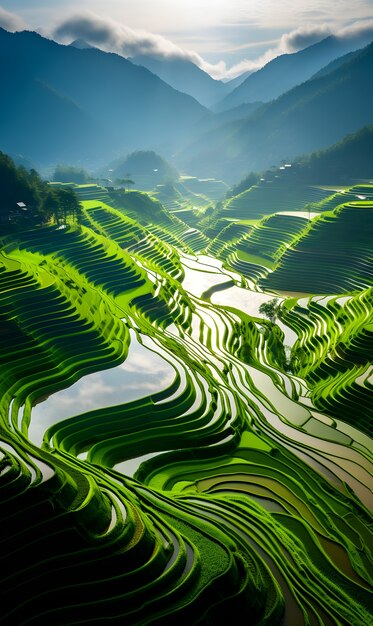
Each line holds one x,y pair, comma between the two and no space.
186,329
193,454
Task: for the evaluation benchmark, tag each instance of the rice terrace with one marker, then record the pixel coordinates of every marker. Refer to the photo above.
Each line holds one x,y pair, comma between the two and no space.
186,329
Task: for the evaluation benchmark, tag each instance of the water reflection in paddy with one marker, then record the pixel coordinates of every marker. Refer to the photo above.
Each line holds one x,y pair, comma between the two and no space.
243,299
143,372
204,272
198,281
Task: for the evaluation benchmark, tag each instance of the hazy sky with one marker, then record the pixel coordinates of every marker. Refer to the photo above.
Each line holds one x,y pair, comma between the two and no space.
224,37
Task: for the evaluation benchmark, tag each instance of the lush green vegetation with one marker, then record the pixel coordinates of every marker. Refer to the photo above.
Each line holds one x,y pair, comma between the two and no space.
332,255
70,174
312,116
144,163
27,201
347,160
185,368
23,195
240,484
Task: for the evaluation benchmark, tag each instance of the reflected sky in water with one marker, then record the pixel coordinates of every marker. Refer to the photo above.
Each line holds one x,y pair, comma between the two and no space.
204,272
243,299
143,372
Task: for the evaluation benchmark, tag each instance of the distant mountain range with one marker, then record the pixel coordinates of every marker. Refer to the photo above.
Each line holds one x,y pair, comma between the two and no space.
349,161
84,105
187,77
269,82
309,117
288,70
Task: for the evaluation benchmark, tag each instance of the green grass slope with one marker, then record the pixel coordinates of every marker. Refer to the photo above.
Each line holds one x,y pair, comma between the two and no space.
223,491
334,255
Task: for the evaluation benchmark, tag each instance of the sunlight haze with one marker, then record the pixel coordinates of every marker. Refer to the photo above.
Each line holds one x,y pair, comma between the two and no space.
223,38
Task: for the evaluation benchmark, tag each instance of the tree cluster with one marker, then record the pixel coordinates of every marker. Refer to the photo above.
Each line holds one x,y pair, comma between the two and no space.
270,309
26,201
62,205
348,160
250,180
124,182
144,162
71,174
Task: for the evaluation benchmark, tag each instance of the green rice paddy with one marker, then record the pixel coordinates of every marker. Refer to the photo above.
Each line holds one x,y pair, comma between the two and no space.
168,455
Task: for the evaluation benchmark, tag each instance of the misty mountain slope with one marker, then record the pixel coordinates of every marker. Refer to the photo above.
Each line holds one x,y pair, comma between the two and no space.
309,117
333,65
124,106
349,159
81,44
186,77
347,162
288,70
29,106
213,120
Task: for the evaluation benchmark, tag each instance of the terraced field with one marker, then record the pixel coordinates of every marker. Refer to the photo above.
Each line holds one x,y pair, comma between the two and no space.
270,195
167,454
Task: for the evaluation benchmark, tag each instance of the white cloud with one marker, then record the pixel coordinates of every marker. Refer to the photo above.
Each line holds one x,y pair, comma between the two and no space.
89,393
113,36
361,28
154,385
110,35
303,37
11,21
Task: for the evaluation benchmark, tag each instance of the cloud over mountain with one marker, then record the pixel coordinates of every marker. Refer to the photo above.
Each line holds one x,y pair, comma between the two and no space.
307,35
361,28
11,21
303,37
113,36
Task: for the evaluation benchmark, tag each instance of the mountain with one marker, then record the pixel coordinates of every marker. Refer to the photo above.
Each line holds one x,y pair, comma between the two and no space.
143,162
312,116
42,124
288,70
214,120
333,65
81,44
235,82
61,103
147,169
186,77
348,160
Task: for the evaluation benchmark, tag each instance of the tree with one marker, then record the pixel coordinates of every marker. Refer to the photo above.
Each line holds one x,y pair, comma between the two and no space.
70,174
125,182
63,204
250,180
22,195
270,309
